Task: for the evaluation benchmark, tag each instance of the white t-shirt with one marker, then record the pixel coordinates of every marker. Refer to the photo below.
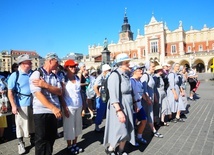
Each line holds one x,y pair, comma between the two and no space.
72,94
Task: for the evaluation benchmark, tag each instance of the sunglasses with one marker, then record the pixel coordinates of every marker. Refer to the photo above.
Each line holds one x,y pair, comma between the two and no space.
71,66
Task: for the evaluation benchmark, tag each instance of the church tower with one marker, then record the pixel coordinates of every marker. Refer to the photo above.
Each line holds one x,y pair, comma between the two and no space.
126,34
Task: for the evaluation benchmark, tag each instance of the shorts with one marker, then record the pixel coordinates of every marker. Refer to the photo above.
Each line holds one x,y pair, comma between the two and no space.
140,115
24,122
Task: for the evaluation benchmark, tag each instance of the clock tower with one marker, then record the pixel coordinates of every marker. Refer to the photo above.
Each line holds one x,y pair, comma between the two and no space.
126,34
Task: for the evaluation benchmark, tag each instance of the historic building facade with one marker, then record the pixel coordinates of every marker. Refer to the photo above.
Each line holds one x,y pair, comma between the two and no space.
8,58
161,45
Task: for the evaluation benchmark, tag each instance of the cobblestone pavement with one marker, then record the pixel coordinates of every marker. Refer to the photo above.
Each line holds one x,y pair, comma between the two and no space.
195,136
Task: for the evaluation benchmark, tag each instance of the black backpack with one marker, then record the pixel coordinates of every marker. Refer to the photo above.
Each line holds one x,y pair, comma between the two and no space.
166,80
104,87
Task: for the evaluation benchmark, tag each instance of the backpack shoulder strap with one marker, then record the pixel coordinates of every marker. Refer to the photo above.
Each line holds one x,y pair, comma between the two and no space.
77,77
40,72
16,80
147,76
17,77
132,79
120,81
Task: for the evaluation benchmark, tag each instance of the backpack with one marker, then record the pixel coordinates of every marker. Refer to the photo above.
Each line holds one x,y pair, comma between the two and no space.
31,72
104,87
166,80
90,90
157,81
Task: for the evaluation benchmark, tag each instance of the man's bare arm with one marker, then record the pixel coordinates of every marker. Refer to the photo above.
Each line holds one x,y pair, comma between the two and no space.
52,89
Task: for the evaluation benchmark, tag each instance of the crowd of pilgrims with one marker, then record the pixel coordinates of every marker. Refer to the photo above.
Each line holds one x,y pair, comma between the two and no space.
158,97
138,94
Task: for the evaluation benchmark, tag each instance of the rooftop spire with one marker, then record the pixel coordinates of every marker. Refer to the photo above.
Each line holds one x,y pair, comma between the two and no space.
125,11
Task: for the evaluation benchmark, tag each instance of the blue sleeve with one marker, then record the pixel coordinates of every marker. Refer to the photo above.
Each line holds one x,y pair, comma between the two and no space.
11,81
134,90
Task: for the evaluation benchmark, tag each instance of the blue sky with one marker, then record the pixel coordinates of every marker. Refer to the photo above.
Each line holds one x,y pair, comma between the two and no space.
65,26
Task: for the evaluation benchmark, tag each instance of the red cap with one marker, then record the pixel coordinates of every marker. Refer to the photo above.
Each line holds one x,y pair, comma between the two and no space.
70,62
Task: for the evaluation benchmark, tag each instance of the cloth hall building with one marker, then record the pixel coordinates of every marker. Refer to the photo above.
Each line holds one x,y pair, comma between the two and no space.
161,45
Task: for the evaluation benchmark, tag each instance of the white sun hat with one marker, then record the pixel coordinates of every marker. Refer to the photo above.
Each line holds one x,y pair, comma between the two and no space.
105,67
159,67
122,57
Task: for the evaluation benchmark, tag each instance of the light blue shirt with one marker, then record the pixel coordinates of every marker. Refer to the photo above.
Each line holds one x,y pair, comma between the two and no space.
22,86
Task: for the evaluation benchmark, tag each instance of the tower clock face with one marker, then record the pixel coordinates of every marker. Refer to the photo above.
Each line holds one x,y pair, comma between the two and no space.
123,35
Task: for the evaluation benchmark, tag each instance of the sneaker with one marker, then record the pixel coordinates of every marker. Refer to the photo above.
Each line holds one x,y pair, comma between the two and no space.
137,144
76,149
110,152
174,120
21,148
191,99
180,120
141,140
158,135
121,153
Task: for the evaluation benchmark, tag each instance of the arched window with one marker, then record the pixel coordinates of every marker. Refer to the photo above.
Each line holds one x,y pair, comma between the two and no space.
200,48
189,49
